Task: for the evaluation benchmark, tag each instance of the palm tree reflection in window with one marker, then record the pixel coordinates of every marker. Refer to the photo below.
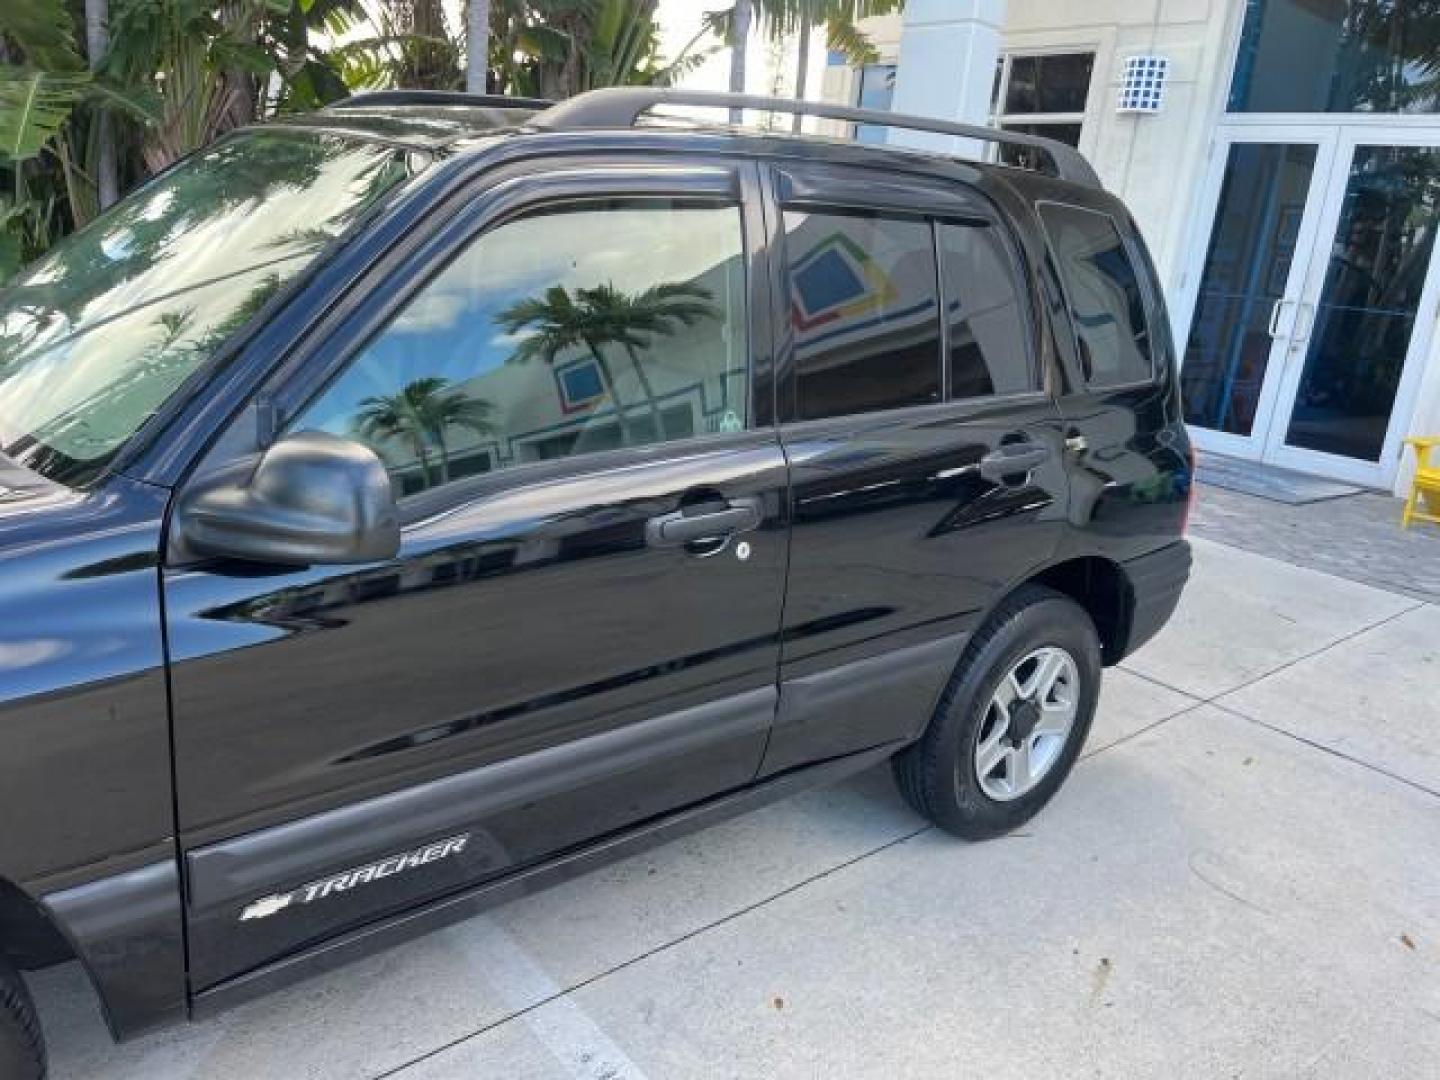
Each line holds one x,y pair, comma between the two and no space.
420,413
597,317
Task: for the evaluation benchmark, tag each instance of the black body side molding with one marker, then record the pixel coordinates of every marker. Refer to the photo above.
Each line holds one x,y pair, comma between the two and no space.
347,947
126,930
1156,581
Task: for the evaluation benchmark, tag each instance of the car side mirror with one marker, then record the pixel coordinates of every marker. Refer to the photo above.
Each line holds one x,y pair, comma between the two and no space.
313,498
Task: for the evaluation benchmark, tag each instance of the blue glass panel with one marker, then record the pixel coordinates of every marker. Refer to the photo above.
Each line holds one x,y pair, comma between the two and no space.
1338,56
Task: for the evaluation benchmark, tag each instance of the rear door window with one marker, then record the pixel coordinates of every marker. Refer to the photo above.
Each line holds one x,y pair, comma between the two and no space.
1102,289
863,310
989,340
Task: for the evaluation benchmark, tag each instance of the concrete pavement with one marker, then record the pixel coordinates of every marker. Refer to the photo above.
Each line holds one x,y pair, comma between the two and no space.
1241,878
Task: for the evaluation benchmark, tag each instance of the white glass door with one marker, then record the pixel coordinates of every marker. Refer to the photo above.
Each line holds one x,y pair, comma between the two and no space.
1264,195
1314,298
1367,308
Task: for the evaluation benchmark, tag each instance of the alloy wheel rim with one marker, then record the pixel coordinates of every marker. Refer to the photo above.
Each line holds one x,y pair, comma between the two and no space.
1027,723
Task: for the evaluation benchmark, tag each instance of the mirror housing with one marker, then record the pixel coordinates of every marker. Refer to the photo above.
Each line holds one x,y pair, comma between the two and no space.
312,498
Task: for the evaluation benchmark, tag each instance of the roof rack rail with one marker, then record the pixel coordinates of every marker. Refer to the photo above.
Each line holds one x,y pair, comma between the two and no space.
622,107
439,97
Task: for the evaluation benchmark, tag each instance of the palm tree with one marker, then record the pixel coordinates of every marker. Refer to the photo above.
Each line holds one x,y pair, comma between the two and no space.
559,48
740,19
604,315
477,45
420,413
782,18
97,44
659,310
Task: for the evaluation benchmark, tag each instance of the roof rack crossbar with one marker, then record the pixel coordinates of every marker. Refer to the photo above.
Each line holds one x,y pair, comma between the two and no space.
622,107
439,97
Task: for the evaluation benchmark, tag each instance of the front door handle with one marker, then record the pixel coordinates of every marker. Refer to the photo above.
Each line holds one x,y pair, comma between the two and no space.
703,523
1013,459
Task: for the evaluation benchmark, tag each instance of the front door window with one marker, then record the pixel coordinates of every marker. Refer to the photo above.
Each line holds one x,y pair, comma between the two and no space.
572,330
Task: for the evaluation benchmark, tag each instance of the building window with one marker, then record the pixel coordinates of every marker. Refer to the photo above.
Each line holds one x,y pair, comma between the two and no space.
1041,94
876,90
1339,56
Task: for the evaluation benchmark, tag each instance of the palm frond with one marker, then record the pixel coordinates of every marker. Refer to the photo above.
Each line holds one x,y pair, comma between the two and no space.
34,105
44,33
843,36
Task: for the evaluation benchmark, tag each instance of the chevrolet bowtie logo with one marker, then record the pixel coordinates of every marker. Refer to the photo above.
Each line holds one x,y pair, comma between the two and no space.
266,906
357,876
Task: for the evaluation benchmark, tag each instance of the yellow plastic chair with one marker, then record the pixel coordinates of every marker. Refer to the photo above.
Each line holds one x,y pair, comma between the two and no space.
1426,487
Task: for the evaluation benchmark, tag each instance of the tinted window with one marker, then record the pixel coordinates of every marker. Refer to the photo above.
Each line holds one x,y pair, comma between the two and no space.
587,328
1057,83
989,346
1337,56
1103,292
863,312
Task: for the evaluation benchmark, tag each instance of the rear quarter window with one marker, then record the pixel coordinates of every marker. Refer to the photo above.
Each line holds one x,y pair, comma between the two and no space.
989,338
1103,293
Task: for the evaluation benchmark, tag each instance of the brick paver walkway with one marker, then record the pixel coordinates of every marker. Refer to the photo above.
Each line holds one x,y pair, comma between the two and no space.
1356,537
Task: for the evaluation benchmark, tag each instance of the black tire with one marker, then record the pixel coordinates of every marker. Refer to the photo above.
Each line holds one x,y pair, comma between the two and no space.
937,775
22,1048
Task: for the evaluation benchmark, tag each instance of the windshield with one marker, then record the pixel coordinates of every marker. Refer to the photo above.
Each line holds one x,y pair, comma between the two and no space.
95,336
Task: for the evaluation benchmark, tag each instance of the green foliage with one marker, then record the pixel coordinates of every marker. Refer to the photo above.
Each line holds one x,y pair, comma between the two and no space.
180,73
34,106
783,18
43,32
558,48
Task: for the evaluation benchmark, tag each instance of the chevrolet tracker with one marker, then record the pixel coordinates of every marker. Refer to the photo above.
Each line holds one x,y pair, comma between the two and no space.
417,502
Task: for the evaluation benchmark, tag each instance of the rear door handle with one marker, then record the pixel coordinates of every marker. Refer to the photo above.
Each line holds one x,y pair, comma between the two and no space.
684,527
1013,459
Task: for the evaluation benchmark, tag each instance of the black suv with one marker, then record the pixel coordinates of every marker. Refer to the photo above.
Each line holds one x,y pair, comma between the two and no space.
411,504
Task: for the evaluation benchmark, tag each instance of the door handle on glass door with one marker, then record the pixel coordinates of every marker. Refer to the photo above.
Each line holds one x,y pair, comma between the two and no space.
1306,309
1275,310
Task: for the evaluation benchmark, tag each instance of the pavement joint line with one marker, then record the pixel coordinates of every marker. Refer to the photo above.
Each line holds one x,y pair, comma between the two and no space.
1215,700
1141,731
1326,749
398,1070
1153,681
1286,665
565,1029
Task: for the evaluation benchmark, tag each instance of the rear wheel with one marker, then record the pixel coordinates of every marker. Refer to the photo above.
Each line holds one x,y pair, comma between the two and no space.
22,1049
1012,720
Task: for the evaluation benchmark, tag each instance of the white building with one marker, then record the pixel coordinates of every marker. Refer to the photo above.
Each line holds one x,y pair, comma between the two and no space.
1288,185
